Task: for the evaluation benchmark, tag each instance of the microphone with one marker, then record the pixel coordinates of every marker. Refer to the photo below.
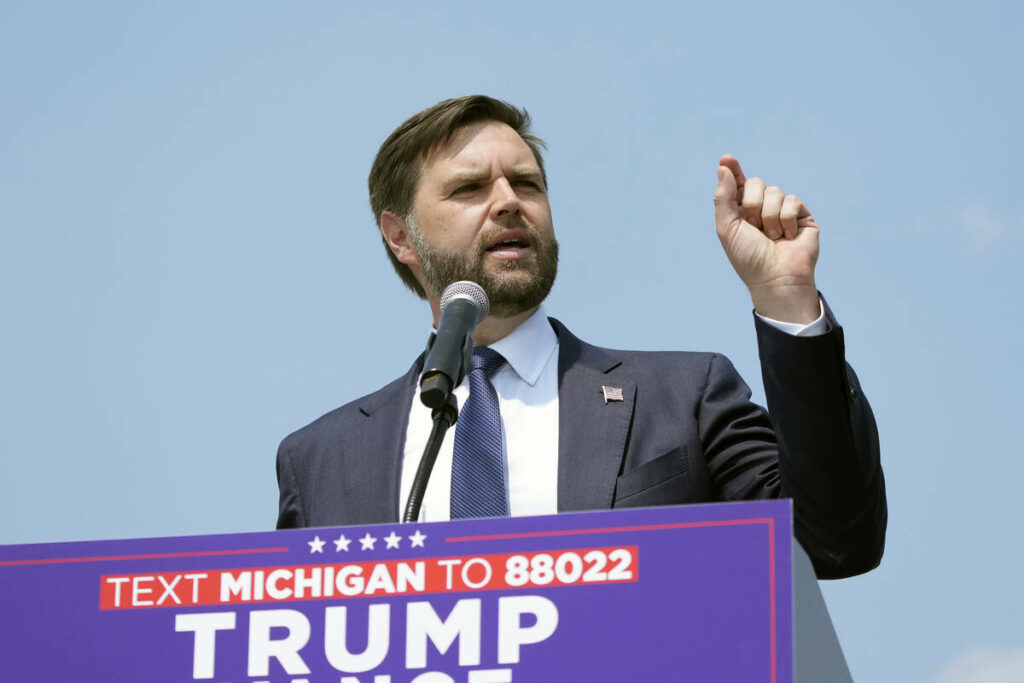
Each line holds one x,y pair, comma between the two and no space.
464,305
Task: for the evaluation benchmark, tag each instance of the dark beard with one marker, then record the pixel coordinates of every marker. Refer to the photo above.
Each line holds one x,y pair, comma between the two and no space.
509,297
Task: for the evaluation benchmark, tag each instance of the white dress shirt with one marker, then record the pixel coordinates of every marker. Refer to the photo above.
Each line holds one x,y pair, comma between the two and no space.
527,388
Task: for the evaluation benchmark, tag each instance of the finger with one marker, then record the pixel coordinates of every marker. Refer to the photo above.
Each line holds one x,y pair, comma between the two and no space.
808,236
770,211
804,219
727,209
753,199
790,215
733,164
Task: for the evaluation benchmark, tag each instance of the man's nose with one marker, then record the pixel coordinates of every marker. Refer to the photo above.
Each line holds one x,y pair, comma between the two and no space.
505,200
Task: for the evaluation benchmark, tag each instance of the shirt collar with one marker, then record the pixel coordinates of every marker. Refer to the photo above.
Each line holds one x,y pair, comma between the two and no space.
529,347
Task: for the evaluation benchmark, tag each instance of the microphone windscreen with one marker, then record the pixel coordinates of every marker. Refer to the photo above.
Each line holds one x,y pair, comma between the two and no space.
464,289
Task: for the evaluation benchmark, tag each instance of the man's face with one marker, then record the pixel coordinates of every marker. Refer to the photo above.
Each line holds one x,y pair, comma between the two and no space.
481,213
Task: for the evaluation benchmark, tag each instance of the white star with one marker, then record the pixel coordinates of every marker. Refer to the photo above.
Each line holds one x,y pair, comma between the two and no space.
316,545
417,539
341,543
368,541
392,540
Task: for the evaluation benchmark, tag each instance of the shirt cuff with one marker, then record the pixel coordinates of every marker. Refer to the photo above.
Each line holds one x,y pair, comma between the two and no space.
815,329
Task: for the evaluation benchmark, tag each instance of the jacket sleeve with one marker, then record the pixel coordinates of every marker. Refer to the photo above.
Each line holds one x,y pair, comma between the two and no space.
828,450
290,513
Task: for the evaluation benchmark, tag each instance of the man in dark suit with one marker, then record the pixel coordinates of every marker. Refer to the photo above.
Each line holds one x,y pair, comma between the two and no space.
459,193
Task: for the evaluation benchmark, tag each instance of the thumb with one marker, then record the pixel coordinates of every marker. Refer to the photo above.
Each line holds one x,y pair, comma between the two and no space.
727,208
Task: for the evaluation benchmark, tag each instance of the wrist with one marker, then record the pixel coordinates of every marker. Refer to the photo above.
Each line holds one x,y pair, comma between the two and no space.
792,304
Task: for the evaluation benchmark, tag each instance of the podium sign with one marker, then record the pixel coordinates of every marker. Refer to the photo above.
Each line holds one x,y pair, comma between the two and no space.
701,593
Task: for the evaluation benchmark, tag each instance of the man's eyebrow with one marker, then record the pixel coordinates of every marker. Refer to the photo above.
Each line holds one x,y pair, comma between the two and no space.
525,173
466,177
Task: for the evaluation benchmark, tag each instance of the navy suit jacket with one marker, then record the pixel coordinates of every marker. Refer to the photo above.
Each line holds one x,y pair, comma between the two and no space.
686,432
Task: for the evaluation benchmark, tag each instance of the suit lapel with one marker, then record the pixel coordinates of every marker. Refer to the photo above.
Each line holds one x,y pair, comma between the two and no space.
592,433
385,427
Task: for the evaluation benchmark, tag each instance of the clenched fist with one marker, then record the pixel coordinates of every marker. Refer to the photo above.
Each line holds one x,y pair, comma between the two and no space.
771,240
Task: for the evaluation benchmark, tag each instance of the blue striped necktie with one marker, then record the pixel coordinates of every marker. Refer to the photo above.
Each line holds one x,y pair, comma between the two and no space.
478,470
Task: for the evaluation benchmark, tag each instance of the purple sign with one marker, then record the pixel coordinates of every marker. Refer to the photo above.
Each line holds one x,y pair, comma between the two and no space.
699,593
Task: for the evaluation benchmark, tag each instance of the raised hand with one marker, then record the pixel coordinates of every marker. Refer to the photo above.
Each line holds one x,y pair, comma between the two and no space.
771,240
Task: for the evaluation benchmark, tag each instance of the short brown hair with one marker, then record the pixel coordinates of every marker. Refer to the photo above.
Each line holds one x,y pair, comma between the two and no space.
396,169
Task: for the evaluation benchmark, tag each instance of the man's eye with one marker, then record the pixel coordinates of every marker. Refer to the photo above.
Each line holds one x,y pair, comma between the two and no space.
465,189
529,184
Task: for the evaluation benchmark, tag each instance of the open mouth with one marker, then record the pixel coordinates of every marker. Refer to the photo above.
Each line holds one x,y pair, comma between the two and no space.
510,244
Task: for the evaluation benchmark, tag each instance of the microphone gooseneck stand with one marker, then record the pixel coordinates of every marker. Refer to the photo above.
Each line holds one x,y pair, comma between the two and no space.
444,417
463,305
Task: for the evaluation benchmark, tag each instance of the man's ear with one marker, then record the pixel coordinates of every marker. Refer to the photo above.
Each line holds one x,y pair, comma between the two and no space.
396,234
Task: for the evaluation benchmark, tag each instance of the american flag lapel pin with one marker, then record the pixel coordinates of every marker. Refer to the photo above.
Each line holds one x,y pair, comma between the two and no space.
611,393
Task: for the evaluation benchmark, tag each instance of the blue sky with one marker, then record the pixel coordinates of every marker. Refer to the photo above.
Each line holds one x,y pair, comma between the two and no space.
190,269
